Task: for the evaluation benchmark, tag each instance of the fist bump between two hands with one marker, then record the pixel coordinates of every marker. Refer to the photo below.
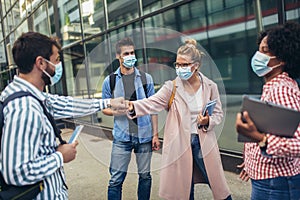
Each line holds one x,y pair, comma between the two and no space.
121,105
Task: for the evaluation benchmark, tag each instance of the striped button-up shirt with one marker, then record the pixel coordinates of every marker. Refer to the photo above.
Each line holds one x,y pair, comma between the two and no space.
284,153
28,150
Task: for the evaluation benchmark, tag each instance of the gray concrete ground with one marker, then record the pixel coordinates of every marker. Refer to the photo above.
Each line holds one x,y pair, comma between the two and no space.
88,175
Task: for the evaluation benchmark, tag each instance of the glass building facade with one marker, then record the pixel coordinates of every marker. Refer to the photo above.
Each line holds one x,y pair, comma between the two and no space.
89,29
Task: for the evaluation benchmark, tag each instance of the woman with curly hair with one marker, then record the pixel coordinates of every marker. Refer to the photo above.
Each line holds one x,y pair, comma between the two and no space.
273,162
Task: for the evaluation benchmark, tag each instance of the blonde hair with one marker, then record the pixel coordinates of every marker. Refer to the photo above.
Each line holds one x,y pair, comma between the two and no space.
190,49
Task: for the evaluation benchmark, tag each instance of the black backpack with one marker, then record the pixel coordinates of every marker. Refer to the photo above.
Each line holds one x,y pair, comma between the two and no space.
27,191
112,82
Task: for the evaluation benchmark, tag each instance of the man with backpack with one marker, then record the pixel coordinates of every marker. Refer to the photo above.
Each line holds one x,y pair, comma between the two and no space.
139,135
29,151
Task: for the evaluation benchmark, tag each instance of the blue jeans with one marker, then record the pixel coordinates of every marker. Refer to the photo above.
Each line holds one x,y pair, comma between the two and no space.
198,161
120,158
276,188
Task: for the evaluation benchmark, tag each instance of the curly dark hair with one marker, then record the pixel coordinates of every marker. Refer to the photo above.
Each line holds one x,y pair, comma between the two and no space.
284,43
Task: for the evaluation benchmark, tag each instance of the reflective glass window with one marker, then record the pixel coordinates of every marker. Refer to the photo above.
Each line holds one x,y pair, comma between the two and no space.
161,48
2,56
23,8
92,12
74,68
292,10
269,5
154,5
4,79
98,62
169,19
16,13
35,3
214,5
3,6
69,21
10,22
12,39
7,5
225,13
1,35
6,28
29,7
154,21
191,16
40,20
230,3
120,12
21,29
150,6
76,76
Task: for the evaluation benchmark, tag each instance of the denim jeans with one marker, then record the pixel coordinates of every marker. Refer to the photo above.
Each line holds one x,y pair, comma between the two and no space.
198,161
276,188
120,158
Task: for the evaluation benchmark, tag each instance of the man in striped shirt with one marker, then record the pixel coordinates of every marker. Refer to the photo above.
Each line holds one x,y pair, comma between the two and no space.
29,152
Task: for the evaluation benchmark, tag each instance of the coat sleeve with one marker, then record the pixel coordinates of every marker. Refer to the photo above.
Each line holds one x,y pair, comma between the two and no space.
155,103
217,115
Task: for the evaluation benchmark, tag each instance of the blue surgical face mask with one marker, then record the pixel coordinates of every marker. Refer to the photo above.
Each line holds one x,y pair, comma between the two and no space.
58,72
260,62
185,73
129,61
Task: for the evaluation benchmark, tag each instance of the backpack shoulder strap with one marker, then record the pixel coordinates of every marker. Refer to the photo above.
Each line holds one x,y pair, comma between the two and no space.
112,83
14,96
144,82
50,117
172,95
57,131
4,103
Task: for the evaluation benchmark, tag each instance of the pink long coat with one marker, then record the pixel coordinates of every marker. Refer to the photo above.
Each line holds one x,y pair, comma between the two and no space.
177,161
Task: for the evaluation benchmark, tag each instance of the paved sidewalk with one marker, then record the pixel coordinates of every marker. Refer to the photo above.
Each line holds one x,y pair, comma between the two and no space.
88,175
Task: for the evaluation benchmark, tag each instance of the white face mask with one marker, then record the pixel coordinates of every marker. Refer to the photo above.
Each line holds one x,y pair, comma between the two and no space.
129,61
259,64
58,72
185,73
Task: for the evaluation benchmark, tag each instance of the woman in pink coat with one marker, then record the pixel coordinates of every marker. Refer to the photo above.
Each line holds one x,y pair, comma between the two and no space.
190,151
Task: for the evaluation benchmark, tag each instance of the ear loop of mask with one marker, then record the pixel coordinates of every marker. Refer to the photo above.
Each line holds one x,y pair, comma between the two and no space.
275,66
45,70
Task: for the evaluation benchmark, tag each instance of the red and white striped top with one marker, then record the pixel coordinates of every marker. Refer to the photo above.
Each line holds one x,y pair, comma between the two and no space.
285,160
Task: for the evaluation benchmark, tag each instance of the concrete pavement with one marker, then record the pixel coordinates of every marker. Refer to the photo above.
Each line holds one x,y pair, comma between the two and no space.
88,174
